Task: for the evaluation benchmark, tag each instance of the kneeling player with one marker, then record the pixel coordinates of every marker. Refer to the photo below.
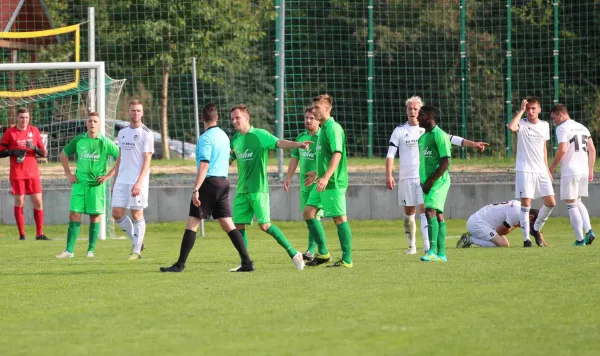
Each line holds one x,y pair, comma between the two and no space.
88,190
489,226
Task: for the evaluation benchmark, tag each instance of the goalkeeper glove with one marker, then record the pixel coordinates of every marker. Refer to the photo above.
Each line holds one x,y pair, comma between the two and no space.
17,153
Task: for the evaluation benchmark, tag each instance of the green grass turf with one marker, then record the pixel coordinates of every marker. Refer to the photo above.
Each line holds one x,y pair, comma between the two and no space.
513,301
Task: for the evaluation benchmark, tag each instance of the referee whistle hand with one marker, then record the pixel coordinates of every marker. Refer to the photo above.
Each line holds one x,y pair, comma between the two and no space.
195,199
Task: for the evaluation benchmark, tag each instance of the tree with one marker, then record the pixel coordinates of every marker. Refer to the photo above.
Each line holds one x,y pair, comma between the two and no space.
169,34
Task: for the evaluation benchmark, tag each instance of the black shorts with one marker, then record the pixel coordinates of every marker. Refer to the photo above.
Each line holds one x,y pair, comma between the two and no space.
214,199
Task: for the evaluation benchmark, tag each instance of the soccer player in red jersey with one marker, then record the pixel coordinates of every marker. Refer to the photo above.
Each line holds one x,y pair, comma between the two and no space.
22,143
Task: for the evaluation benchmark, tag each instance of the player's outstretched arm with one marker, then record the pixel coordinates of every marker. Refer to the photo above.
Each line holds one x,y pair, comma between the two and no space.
479,146
591,158
287,145
513,125
290,172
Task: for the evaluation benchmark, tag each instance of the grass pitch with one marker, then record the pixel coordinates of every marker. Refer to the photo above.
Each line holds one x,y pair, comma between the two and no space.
515,301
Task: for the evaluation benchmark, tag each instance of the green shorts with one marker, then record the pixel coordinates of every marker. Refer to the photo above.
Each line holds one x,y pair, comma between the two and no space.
331,201
87,199
248,205
304,194
436,199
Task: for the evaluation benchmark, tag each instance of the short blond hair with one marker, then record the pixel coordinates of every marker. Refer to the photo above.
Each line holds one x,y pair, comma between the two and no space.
136,102
414,99
323,97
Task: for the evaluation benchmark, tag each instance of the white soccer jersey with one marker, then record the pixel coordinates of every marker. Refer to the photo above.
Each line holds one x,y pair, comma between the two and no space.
530,146
405,140
133,143
506,213
575,161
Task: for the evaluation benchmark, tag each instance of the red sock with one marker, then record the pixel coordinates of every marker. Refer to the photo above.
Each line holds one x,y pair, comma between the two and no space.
20,219
38,216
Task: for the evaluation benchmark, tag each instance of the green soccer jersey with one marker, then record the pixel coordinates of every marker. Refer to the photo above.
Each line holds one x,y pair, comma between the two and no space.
433,146
306,157
332,139
92,157
251,151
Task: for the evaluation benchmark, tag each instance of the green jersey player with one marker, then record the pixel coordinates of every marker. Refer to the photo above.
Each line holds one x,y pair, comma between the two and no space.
434,152
306,158
88,190
331,180
250,148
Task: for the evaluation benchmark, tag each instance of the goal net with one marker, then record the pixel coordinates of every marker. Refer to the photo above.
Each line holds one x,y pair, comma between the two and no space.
59,96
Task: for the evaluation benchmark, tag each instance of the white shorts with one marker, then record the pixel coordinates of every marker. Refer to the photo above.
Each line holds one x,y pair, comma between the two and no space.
480,229
409,192
121,197
573,187
533,185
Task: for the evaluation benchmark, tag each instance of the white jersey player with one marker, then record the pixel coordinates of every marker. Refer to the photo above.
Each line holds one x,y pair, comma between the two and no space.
489,226
576,155
405,141
132,181
533,178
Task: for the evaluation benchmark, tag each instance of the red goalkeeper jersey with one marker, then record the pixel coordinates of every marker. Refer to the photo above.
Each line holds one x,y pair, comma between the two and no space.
15,139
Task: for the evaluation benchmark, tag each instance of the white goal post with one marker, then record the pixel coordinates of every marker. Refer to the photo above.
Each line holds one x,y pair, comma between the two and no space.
100,96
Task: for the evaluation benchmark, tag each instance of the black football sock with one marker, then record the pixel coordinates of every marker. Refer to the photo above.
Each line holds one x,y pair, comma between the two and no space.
189,237
238,241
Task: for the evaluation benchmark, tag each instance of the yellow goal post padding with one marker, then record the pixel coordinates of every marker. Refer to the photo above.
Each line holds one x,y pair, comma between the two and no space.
45,33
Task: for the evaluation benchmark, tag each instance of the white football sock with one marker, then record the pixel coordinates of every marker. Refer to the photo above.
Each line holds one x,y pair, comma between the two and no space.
542,217
576,223
139,230
410,229
585,216
524,220
425,232
127,226
482,243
